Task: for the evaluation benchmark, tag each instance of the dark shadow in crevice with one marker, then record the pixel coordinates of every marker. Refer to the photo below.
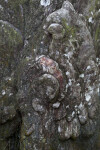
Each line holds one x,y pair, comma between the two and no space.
14,140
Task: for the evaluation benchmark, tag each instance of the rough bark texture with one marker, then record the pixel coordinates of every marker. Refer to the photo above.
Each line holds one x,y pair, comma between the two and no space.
49,75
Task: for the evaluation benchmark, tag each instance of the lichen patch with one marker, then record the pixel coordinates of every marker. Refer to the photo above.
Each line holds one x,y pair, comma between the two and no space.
45,3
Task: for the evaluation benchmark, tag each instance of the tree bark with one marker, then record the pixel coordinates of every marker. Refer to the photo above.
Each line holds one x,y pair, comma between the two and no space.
49,75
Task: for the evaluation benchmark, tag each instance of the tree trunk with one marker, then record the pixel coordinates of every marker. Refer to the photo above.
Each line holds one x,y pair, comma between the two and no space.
49,73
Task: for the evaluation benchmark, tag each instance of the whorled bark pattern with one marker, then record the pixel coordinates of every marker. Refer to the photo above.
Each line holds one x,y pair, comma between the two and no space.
49,67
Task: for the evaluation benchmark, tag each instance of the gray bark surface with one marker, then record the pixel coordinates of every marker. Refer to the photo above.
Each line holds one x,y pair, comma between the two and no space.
49,75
